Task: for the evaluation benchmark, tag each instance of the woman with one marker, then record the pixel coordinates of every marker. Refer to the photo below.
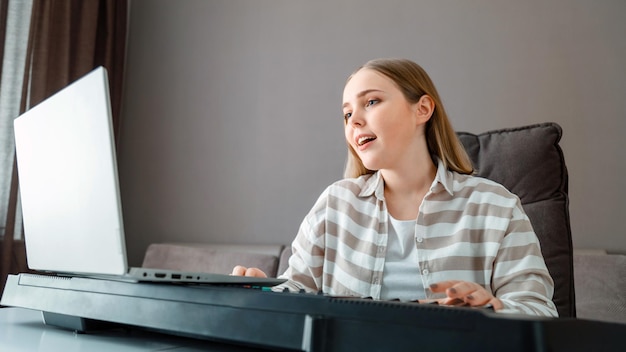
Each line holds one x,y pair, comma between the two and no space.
409,221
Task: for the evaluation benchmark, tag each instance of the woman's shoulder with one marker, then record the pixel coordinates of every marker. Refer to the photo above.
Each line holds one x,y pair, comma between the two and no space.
360,181
352,186
343,194
480,185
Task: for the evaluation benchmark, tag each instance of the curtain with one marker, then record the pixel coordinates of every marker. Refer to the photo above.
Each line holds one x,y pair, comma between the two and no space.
70,38
14,27
67,39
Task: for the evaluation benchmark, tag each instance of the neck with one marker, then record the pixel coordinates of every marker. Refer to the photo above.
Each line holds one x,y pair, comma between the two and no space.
405,188
412,178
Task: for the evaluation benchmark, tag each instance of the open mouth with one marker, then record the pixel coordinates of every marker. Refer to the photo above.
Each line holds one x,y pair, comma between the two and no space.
361,141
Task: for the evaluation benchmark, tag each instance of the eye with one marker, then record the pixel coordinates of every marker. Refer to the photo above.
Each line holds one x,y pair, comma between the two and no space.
347,115
371,102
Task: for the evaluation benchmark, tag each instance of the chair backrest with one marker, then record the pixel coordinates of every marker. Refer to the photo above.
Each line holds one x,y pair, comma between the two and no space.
529,162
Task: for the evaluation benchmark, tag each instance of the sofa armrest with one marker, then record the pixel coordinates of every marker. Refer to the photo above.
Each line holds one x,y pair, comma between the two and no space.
212,258
600,283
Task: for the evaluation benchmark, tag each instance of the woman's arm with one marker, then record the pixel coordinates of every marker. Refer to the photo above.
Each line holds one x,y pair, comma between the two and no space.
520,278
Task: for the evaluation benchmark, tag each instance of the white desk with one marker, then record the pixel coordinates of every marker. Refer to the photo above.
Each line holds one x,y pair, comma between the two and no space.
24,330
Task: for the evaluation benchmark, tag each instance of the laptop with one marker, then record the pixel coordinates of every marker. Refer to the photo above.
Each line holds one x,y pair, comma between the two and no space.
70,196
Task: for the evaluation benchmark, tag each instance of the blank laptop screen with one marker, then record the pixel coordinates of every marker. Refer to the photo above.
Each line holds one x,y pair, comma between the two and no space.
68,181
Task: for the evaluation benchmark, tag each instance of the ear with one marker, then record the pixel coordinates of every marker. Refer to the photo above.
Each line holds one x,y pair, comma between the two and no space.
424,108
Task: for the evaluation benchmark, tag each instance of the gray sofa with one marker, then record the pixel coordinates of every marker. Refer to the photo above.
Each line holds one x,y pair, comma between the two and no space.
528,161
600,283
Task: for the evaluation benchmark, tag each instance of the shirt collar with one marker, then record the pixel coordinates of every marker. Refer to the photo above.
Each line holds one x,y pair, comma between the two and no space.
444,178
375,184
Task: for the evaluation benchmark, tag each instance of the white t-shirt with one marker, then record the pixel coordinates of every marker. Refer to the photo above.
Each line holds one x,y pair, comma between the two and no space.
401,276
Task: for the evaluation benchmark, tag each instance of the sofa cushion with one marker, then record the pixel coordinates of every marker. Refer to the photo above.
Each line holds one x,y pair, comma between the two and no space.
600,287
529,162
220,259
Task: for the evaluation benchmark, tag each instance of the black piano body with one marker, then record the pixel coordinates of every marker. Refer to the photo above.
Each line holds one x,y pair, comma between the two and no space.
299,321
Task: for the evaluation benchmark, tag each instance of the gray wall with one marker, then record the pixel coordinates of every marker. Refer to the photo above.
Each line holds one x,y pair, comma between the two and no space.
232,121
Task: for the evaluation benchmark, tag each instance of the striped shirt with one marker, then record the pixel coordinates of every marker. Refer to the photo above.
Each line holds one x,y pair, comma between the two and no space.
468,228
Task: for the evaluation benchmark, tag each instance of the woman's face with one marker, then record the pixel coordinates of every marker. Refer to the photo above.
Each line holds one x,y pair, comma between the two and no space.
380,124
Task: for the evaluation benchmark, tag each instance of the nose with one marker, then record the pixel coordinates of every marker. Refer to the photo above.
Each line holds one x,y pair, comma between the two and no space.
357,118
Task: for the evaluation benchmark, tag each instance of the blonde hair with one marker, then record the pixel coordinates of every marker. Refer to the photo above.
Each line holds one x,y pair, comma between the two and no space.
441,138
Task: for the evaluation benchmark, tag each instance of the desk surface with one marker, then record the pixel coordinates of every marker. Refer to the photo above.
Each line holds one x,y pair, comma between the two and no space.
24,330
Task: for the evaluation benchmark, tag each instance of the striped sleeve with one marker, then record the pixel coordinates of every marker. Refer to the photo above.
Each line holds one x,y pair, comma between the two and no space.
308,251
520,277
336,249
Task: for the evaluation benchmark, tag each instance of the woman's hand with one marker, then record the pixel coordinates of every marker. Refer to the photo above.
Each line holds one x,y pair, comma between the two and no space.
464,293
243,271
